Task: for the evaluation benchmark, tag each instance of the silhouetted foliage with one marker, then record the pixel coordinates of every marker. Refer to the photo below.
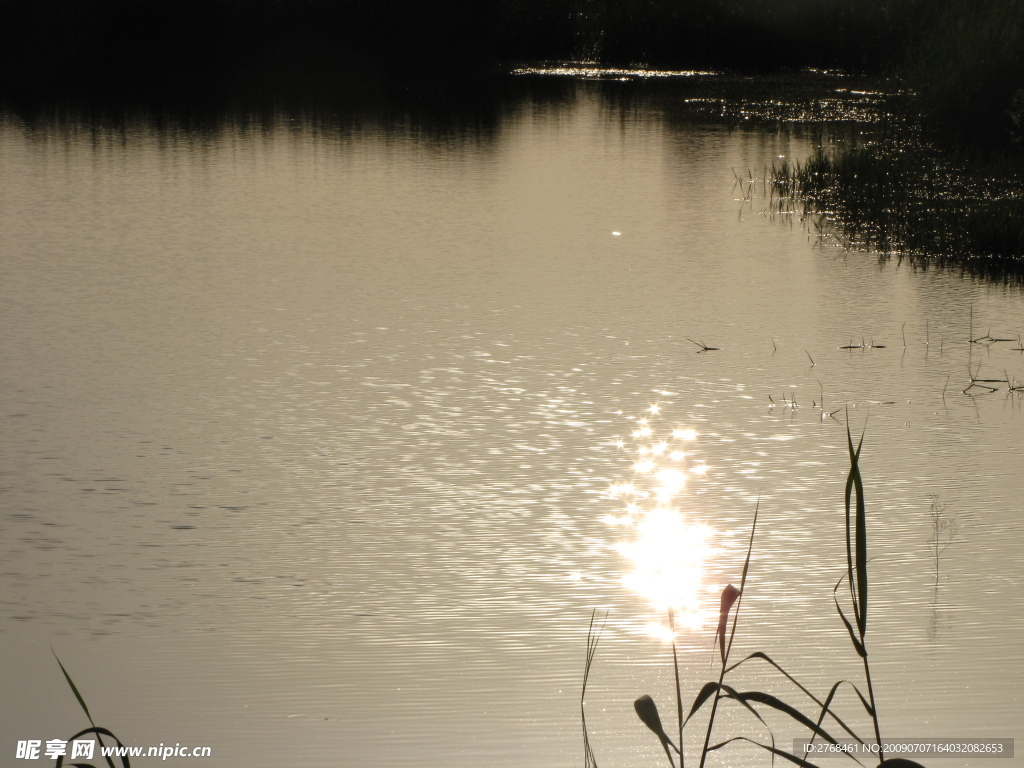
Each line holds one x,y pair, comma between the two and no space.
966,65
964,58
123,44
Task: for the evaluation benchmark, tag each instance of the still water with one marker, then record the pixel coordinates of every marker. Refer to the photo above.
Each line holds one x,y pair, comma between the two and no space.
311,435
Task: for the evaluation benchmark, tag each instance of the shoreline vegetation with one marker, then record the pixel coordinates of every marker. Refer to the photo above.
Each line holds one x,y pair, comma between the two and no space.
910,202
962,61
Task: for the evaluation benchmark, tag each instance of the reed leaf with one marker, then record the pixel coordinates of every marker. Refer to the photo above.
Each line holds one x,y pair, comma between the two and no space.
862,536
860,603
825,710
712,687
704,695
98,732
732,693
856,538
861,650
811,696
867,705
776,703
774,750
74,688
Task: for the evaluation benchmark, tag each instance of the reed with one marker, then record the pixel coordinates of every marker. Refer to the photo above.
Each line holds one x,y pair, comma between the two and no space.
816,712
593,636
909,201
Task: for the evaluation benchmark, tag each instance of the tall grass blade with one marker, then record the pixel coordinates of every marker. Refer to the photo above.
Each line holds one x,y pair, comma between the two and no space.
774,750
81,701
732,635
811,696
860,605
862,537
732,693
776,703
98,732
74,688
826,711
589,759
679,694
705,693
728,691
861,650
850,536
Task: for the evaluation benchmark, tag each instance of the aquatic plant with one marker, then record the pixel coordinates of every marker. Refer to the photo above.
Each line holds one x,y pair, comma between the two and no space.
856,579
593,636
909,201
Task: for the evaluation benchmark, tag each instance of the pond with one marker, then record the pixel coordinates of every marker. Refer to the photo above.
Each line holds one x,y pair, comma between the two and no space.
312,425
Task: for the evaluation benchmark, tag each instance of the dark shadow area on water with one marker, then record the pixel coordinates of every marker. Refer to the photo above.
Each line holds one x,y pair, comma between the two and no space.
124,46
965,60
95,48
441,114
452,113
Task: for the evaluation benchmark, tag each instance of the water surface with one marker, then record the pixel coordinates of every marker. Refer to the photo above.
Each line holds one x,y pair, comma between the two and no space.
308,431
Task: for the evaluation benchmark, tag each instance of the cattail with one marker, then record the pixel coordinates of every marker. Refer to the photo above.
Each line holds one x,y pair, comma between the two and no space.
647,711
729,595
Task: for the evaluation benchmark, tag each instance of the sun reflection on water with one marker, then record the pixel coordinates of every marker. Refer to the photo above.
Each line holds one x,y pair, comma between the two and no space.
665,549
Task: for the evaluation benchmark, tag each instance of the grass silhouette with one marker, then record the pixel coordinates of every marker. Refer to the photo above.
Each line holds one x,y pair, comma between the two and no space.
818,712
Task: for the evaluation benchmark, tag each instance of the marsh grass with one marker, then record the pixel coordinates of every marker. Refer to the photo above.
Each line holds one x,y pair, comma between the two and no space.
910,202
593,637
817,713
